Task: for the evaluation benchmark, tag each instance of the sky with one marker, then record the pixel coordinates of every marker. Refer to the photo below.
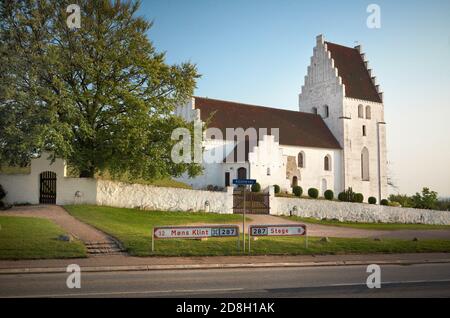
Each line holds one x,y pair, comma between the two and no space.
258,51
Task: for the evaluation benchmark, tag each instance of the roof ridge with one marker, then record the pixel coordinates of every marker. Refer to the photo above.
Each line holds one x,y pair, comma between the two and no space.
257,106
344,46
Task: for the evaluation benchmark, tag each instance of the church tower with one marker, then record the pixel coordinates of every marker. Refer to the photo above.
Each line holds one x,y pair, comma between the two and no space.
340,87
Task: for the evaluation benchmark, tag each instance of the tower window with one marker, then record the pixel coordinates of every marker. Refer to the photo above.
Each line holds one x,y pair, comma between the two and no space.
314,110
268,171
365,164
361,111
326,111
364,132
368,112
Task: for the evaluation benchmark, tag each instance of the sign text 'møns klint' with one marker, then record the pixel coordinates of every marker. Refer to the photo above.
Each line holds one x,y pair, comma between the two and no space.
196,232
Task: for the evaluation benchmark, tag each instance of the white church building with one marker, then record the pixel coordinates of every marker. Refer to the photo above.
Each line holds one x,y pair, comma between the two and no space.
336,140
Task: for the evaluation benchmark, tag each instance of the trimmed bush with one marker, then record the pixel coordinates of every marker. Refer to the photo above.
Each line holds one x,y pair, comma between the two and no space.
359,198
256,188
329,195
297,190
277,189
313,193
342,196
372,200
384,202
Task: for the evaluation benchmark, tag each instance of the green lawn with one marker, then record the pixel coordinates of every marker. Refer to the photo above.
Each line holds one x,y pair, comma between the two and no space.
34,238
133,228
370,226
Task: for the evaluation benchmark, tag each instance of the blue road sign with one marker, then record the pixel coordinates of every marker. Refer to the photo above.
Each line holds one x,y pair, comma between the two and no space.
244,182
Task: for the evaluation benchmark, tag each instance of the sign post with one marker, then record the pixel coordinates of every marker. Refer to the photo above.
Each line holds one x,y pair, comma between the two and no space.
244,183
277,230
194,232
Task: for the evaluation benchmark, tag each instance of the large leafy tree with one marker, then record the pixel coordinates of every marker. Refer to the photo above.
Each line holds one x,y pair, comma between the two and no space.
100,96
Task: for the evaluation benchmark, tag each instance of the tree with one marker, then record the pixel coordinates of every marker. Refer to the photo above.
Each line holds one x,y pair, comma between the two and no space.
426,200
100,97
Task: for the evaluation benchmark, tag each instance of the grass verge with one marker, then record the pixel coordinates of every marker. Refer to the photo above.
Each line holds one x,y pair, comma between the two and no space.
34,238
370,226
133,228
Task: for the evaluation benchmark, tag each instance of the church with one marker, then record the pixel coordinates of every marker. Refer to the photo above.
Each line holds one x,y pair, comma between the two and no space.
336,140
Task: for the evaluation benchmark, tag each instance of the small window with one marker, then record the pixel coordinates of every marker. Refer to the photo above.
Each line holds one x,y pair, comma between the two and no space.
301,160
326,111
314,110
327,163
364,130
268,171
368,113
361,111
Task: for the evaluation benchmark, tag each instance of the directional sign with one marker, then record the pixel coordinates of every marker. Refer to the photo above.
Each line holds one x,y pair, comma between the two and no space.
278,230
195,232
244,182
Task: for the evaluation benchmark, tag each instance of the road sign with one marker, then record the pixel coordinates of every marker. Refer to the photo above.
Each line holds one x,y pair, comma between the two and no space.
277,230
244,182
193,232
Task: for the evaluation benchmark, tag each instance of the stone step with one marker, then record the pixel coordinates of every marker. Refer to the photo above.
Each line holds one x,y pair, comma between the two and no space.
98,248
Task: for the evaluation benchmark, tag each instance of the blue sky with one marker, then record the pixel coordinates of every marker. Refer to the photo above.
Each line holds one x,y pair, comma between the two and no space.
257,51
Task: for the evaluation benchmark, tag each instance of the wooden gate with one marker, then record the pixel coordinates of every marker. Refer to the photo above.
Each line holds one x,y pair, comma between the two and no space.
255,203
47,189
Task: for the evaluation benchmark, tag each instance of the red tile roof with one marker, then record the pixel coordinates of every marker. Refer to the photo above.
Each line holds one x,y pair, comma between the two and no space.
296,128
354,74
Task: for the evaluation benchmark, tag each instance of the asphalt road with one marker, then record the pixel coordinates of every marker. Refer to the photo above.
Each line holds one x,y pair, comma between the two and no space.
426,280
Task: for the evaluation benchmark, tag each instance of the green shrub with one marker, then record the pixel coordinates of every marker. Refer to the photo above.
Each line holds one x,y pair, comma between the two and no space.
297,190
329,195
384,202
313,193
277,189
359,198
348,196
256,188
372,200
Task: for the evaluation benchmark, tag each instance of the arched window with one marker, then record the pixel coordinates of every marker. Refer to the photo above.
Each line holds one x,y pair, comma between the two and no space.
361,111
242,173
301,160
368,113
314,110
294,181
327,163
326,111
365,174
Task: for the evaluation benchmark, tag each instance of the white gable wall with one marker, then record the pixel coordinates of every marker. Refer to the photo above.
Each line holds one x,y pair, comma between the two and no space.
313,173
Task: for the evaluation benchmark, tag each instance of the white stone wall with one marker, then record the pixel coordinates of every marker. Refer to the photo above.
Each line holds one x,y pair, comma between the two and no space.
356,212
374,141
268,155
24,188
313,173
124,195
